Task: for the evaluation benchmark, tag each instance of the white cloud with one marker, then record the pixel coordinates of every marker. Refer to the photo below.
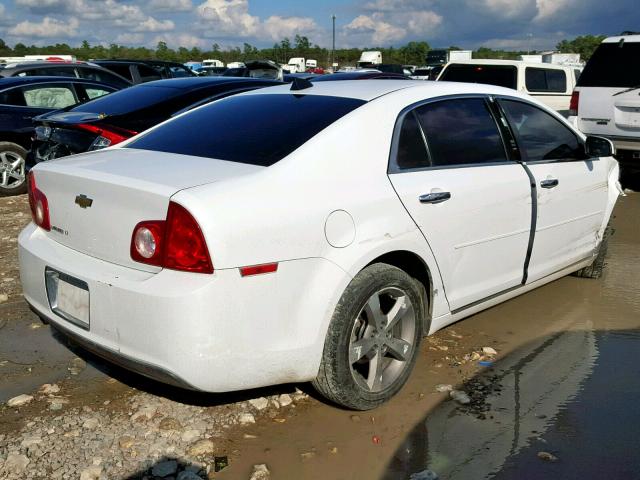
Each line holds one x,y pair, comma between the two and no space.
47,28
376,28
170,5
279,27
548,8
423,22
130,39
153,25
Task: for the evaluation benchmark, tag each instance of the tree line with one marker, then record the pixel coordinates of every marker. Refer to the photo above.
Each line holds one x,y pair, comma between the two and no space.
413,53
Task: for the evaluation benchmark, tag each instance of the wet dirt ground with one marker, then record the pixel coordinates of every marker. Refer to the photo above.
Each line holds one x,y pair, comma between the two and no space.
558,401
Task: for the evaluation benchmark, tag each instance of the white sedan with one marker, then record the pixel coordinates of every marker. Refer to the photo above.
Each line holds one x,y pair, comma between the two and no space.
313,232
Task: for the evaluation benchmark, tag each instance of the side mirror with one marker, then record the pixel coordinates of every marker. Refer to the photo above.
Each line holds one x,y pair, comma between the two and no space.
599,147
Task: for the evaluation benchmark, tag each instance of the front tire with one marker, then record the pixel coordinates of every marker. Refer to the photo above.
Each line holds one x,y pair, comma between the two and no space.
12,169
373,338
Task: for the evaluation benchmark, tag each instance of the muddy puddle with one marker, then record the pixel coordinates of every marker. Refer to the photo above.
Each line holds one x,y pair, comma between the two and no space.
559,401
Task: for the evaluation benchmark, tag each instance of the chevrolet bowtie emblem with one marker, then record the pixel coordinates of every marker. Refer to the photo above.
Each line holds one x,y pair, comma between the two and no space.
83,201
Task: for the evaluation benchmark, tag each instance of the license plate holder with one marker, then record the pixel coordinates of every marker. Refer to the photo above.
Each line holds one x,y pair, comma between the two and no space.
68,297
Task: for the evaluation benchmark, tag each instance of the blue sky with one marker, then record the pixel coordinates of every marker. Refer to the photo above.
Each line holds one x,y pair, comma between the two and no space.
509,24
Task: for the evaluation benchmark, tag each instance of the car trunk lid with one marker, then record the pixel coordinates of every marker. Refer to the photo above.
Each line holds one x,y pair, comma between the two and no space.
96,200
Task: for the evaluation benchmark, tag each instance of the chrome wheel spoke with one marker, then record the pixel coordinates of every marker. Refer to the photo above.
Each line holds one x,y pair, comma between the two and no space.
398,349
17,164
374,379
396,313
4,179
374,313
360,348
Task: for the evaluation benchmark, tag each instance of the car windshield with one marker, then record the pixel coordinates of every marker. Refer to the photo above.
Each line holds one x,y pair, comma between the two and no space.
129,100
613,65
255,129
500,75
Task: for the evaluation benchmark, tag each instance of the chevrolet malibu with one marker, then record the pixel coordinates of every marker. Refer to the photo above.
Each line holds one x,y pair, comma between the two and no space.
312,232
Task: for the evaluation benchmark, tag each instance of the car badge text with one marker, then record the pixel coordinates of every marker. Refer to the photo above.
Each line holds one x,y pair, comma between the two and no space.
83,201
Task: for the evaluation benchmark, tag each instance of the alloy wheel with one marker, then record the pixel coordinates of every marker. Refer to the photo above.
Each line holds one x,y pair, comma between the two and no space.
12,170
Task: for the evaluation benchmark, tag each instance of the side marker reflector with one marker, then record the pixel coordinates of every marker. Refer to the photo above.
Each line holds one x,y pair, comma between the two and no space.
258,269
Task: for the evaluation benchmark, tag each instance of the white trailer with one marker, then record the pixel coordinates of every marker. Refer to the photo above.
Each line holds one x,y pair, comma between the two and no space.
310,63
296,65
212,63
369,58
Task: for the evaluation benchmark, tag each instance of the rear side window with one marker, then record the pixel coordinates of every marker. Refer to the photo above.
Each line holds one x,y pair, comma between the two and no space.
121,69
461,132
411,151
539,135
613,65
95,92
255,129
500,75
49,96
545,80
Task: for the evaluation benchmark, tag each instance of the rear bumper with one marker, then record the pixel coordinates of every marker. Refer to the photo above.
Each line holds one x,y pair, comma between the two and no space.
146,369
216,333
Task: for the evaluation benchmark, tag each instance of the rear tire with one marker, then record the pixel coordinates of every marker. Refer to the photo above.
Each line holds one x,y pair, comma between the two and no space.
596,268
12,169
373,338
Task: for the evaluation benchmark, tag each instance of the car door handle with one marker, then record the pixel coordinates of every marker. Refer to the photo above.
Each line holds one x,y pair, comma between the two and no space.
549,183
434,197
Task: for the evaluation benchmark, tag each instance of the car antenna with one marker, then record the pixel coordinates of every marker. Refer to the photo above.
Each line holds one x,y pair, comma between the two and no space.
300,84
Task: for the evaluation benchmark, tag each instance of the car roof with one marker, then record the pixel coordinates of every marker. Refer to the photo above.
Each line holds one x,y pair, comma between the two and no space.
8,82
26,65
198,82
372,89
626,38
132,60
515,63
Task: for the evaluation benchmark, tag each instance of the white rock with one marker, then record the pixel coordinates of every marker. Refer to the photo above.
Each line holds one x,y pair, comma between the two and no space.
91,424
144,413
246,418
260,472
16,463
259,403
460,397
190,435
489,351
285,399
49,389
91,473
164,469
3,297
30,441
20,400
443,387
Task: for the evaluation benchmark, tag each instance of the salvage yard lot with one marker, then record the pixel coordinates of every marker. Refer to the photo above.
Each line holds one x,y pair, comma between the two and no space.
100,420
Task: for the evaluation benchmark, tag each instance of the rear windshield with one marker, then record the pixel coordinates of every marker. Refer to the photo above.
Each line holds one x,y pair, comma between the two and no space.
255,129
500,75
129,100
613,65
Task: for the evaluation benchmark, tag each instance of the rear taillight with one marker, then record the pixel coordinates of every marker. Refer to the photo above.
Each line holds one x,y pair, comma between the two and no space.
176,243
39,204
573,104
107,136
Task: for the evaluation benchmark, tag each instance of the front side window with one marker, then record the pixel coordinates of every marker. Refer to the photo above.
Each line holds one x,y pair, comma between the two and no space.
13,97
100,75
539,135
49,96
461,132
545,80
147,74
256,129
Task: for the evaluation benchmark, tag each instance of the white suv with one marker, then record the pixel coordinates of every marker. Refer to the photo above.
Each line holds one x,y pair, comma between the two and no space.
606,101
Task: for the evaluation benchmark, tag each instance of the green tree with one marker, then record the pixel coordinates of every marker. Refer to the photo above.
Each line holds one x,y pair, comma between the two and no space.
584,45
